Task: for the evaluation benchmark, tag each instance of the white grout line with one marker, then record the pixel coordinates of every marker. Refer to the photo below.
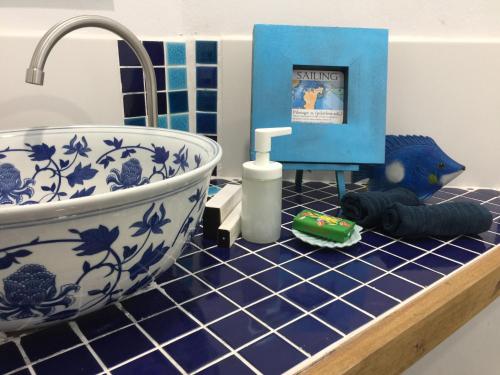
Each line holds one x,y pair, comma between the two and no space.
84,340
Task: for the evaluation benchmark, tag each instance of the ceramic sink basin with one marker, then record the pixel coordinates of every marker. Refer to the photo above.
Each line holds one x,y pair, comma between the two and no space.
89,214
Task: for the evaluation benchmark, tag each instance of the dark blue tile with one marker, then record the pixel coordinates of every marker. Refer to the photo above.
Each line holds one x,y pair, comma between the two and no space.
274,311
178,101
244,292
304,267
438,263
250,264
395,286
219,276
287,204
317,194
300,246
403,250
161,328
383,260
316,184
360,271
357,249
146,304
126,55
451,190
370,300
206,101
41,344
335,282
491,237
276,279
136,121
111,348
285,234
76,361
307,296
186,288
471,244
342,316
238,329
295,210
418,274
230,365
456,253
160,78
310,334
272,355
133,105
375,239
203,243
102,321
320,206
132,80
11,358
226,254
207,349
206,77
206,52
189,248
209,307
24,371
250,245
155,52
206,123
172,273
495,201
278,254
197,261
425,243
330,257
162,103
152,363
299,199
483,194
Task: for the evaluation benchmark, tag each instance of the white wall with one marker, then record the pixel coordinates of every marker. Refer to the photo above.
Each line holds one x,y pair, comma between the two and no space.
443,78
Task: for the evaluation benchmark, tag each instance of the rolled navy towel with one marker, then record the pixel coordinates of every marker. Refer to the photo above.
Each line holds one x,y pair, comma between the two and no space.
366,208
447,219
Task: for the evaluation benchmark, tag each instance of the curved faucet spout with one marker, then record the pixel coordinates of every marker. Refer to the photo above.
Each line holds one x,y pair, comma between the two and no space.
35,73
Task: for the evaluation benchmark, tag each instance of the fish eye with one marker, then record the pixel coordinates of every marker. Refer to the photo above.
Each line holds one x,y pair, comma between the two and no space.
441,165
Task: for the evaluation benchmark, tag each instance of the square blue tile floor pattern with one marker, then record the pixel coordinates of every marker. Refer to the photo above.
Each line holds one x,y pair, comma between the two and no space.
252,308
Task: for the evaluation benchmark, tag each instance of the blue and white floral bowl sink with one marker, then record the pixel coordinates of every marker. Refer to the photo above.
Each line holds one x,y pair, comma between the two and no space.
89,214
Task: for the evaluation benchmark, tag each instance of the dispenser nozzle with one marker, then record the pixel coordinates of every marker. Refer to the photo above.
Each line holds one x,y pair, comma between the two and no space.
263,138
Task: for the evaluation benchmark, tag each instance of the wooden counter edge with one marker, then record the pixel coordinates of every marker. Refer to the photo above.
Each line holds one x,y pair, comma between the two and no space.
400,339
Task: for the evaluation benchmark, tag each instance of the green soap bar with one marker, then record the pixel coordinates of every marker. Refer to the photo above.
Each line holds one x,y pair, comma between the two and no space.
324,226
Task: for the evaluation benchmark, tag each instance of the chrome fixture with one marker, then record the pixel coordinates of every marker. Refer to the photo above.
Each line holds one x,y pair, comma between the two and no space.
35,73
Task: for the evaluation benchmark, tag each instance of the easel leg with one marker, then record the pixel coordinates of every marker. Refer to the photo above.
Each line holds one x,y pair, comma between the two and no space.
340,183
298,181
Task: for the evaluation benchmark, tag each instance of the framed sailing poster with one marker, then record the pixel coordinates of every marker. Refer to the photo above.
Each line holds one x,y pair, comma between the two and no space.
329,85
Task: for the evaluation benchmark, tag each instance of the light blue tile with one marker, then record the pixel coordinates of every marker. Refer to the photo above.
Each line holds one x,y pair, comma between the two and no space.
176,53
177,78
179,122
162,121
136,121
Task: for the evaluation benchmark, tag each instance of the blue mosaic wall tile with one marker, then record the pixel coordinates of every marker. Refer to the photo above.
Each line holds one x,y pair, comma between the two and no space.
206,77
134,105
177,78
162,121
179,122
178,101
155,52
132,80
206,101
252,307
135,121
160,79
206,52
126,56
162,103
206,123
176,53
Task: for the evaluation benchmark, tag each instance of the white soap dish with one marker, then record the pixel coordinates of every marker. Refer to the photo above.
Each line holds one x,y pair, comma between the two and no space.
355,238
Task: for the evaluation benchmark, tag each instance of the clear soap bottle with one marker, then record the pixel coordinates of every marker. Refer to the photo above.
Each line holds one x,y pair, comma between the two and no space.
261,201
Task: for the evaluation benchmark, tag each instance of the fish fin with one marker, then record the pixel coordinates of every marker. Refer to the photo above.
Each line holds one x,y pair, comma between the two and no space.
365,173
395,172
394,142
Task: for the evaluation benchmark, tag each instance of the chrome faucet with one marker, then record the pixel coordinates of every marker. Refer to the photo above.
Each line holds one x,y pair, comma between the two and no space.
35,73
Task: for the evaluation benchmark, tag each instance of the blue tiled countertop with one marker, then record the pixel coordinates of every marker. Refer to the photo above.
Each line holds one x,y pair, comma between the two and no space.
253,308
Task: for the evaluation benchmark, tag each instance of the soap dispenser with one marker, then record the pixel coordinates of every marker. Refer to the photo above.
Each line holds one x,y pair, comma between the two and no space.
261,200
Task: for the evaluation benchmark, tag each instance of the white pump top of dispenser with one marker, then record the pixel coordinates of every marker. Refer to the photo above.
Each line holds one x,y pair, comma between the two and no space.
262,168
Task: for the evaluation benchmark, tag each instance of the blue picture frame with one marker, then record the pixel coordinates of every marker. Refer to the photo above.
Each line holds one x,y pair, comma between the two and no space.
277,49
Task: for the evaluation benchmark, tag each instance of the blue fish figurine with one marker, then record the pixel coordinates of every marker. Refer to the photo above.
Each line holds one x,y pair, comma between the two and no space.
414,162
